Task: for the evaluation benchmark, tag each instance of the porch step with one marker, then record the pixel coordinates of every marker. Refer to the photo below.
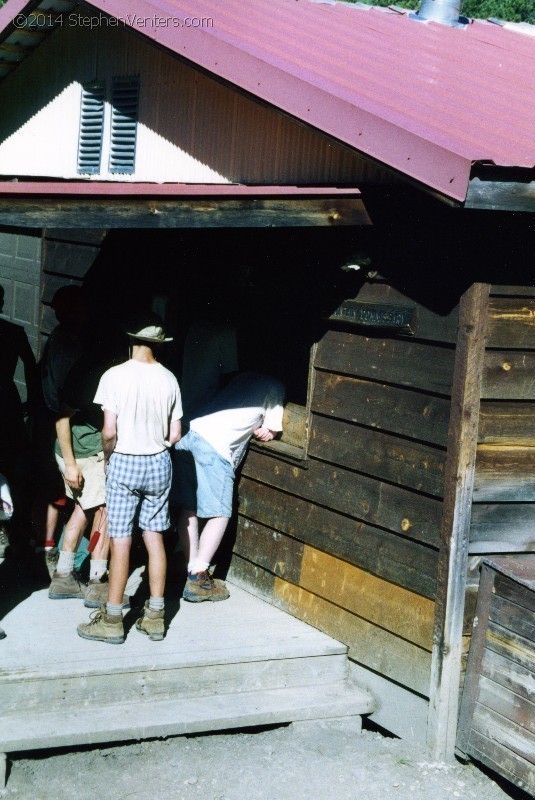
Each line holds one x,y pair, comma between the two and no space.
223,665
143,720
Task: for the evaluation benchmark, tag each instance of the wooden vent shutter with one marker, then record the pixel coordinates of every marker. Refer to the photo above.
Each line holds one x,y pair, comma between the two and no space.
91,129
124,115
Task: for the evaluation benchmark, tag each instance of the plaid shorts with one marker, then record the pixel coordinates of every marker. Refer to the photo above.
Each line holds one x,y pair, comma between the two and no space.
138,485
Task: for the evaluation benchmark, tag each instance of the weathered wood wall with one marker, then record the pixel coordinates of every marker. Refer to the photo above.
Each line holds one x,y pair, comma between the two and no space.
348,539
497,719
503,513
67,257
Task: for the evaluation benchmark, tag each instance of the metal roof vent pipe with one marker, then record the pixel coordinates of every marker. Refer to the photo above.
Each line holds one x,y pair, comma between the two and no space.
447,12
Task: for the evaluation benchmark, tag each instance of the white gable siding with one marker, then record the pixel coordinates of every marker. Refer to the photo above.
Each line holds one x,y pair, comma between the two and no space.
192,129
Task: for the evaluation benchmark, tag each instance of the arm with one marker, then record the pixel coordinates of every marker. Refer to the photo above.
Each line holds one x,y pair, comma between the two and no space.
73,475
264,434
175,432
109,433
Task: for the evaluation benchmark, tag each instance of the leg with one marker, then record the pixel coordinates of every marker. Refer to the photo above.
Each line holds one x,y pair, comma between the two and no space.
64,584
188,533
74,529
119,569
211,538
151,622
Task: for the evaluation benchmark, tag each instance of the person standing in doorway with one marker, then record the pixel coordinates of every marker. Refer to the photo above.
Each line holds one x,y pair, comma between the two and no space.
142,413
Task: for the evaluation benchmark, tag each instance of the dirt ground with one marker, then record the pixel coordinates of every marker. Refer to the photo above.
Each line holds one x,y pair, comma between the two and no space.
319,761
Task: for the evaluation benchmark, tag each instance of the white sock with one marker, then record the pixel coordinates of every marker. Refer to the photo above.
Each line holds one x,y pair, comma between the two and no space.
114,611
196,565
65,563
97,568
156,603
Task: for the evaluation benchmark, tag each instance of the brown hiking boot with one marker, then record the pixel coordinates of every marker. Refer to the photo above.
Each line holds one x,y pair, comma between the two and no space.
201,586
97,593
103,627
151,623
64,586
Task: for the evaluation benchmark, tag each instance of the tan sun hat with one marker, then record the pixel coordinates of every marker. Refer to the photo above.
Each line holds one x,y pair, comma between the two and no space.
150,329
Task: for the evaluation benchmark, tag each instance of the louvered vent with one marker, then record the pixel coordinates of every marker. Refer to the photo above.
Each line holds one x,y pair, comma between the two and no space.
124,114
91,129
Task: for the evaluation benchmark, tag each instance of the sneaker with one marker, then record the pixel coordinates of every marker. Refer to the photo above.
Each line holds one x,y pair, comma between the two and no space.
4,541
151,623
97,593
103,627
63,587
201,586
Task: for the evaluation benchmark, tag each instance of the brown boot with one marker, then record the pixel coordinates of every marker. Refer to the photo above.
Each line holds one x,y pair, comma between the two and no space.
63,587
103,627
97,593
201,586
151,622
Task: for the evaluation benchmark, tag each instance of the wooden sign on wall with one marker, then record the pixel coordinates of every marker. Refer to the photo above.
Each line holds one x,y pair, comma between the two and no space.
376,315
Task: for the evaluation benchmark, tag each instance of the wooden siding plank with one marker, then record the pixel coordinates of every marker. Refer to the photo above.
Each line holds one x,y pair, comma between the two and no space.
512,616
518,740
391,607
500,759
504,474
496,290
392,557
510,645
402,411
70,259
271,550
507,704
375,648
508,375
507,423
455,528
399,510
502,527
429,326
512,323
520,595
403,363
497,669
381,455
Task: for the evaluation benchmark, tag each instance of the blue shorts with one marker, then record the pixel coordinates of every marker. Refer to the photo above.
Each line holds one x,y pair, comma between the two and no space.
138,484
203,481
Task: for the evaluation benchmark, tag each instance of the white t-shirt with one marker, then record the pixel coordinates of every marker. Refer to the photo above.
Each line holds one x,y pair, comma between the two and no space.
250,401
146,399
210,351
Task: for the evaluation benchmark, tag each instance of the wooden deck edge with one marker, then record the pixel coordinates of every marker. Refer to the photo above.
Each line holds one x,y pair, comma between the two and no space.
136,721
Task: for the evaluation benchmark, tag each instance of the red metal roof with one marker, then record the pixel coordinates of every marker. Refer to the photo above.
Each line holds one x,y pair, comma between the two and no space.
423,98
170,190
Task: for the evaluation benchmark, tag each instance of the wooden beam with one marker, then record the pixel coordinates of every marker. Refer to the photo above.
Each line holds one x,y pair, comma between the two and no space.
127,212
501,195
455,526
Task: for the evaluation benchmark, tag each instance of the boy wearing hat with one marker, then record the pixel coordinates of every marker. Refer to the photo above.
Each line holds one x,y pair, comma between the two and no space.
142,412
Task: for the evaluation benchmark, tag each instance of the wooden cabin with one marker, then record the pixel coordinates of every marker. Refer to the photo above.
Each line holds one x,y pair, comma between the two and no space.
392,250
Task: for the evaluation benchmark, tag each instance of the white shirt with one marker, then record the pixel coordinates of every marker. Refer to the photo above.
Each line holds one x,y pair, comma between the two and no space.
146,399
250,401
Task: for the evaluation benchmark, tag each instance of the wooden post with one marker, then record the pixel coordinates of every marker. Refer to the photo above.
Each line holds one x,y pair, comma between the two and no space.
455,527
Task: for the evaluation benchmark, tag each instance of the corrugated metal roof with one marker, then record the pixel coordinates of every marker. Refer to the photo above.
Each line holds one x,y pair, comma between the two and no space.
423,98
171,190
